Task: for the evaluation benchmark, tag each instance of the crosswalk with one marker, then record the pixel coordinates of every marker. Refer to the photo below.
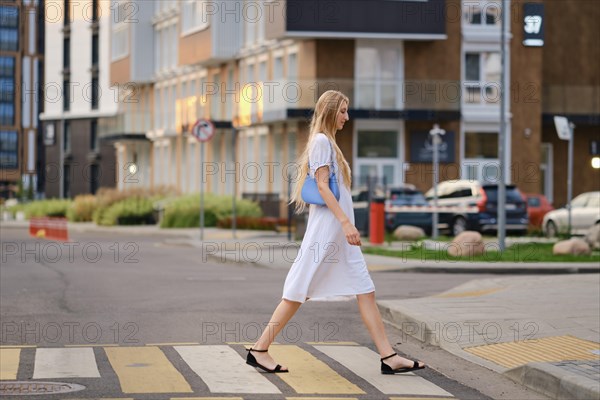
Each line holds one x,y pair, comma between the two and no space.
349,370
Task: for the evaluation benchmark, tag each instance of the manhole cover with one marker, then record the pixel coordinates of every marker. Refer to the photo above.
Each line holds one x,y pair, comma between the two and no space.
22,388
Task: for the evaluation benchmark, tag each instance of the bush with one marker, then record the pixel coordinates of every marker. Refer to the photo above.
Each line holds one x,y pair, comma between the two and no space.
106,197
184,212
130,211
47,208
82,208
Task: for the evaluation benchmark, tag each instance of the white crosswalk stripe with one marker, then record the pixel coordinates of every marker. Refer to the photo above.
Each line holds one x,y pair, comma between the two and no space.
224,371
65,363
361,361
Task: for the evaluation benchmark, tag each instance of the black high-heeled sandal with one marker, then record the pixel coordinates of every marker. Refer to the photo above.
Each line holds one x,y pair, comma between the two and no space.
251,360
387,370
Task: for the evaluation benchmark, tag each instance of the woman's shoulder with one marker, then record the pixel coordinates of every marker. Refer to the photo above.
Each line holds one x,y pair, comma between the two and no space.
320,139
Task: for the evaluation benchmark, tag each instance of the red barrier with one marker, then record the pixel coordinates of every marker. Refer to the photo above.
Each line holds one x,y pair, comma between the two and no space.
377,221
49,228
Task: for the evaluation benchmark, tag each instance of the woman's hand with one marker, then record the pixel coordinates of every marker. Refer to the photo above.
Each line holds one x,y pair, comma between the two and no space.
352,235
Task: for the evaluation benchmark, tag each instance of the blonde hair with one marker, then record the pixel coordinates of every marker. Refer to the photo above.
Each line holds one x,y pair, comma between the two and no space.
324,120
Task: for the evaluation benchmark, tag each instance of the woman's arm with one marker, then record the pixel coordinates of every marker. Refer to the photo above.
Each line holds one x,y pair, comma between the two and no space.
322,178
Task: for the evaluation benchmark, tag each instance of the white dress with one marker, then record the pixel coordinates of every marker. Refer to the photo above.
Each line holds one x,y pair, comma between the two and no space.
327,266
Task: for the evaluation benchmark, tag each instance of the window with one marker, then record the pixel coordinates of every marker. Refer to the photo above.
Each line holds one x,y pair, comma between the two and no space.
9,28
8,149
120,42
67,13
482,78
481,145
482,13
278,69
7,90
95,45
95,11
94,135
66,53
94,178
67,137
378,144
66,95
292,66
378,76
193,18
66,181
95,93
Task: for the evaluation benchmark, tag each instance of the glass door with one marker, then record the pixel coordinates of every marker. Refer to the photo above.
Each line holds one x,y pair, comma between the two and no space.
378,157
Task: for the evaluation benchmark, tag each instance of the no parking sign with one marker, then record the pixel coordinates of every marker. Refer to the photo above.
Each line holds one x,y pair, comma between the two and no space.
203,130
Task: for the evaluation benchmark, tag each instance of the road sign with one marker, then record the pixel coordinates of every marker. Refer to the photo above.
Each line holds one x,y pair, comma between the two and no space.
203,130
562,127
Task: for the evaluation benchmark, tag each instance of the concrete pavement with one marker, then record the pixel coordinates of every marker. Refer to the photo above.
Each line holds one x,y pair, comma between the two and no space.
541,331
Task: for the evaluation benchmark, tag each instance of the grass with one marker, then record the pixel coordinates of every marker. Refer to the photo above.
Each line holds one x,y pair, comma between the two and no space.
522,252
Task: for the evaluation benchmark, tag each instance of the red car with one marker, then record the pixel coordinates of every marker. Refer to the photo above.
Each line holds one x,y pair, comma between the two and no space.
537,206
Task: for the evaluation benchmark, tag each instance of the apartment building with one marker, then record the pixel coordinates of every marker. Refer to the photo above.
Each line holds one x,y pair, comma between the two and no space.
78,98
21,66
255,69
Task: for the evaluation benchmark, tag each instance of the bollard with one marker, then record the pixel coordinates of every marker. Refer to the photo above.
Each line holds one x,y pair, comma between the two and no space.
377,220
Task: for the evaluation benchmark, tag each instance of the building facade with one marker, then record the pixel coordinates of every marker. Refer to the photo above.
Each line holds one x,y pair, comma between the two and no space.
255,69
78,97
21,68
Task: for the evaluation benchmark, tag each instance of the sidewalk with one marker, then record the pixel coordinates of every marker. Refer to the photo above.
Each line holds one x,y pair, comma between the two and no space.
543,332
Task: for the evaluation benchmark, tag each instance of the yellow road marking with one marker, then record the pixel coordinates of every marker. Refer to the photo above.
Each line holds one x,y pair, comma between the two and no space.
172,344
333,343
207,398
92,345
309,375
17,346
556,348
473,293
9,363
145,370
321,398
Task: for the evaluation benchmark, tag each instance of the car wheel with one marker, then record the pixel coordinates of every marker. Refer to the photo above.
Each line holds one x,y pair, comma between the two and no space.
551,230
459,225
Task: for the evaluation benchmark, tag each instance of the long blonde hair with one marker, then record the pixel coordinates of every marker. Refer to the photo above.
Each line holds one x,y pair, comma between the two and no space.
324,120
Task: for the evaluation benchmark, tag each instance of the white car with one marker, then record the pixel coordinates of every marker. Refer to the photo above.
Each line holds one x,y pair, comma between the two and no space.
585,212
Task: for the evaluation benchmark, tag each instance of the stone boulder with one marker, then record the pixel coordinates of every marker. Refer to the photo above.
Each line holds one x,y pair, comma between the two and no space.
592,237
467,243
574,246
409,233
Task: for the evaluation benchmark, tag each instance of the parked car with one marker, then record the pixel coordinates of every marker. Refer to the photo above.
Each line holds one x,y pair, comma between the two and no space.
537,206
470,205
585,212
404,205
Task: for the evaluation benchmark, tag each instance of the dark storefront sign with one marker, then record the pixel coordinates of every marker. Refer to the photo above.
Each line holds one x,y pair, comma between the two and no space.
533,24
391,17
421,147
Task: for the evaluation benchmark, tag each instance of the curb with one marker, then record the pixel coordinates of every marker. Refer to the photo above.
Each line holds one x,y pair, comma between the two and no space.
554,382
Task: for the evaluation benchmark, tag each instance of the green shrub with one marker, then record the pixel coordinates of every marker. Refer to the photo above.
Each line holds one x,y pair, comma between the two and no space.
106,197
184,212
82,208
47,208
130,211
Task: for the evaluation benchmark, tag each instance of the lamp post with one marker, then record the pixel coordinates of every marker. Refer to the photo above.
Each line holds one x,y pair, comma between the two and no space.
436,134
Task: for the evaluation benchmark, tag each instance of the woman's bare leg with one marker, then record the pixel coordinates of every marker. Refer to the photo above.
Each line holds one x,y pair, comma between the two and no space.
372,319
282,314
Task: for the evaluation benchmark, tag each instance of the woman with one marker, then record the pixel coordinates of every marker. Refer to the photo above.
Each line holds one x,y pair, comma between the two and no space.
329,262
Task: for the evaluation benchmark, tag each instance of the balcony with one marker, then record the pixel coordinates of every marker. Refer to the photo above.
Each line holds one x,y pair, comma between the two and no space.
281,99
125,124
383,19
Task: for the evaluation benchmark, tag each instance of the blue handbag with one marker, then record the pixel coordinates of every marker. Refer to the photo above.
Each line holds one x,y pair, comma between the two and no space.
310,190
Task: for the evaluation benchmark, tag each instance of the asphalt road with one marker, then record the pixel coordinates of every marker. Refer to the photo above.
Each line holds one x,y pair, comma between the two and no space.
106,290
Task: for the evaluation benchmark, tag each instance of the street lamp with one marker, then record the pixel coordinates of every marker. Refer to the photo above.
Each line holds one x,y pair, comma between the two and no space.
436,134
